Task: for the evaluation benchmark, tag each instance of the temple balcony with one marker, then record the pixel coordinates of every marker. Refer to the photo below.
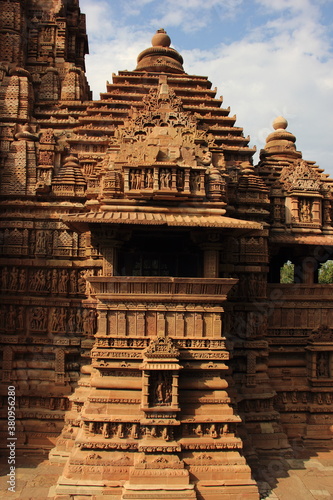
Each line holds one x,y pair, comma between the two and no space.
295,310
159,306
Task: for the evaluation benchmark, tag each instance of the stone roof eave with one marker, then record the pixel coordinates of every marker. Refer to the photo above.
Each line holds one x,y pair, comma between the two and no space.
83,221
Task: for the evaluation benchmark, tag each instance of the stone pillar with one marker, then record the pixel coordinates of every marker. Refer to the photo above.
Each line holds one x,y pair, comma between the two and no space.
109,250
145,389
326,217
156,179
316,211
160,324
306,271
102,326
187,180
211,262
174,397
174,180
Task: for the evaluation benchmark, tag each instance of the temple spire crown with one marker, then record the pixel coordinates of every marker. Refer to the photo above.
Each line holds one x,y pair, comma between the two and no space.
161,39
160,57
280,123
280,142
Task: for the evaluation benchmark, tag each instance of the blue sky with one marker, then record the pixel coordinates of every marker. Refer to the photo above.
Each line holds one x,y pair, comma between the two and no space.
266,57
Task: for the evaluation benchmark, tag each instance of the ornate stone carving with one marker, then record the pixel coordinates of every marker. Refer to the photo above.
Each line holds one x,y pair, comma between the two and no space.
162,347
301,177
322,334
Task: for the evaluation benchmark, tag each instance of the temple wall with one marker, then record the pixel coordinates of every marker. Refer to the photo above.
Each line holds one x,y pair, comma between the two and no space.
300,363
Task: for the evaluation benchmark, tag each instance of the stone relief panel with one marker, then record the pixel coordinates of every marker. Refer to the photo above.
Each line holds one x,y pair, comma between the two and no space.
160,389
161,150
44,281
301,177
174,323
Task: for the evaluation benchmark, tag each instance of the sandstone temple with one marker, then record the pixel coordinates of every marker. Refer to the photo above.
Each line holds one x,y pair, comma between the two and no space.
152,346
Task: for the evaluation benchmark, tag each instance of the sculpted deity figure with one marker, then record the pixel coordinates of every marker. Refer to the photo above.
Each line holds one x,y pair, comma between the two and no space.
32,242
40,280
89,320
11,317
72,281
149,180
134,431
54,320
4,278
132,179
162,390
54,281
71,323
20,319
79,321
165,434
13,279
48,243
120,431
105,430
206,158
180,179
137,179
38,319
82,282
165,179
22,280
162,179
198,430
63,280
322,364
40,242
212,431
62,319
305,214
195,184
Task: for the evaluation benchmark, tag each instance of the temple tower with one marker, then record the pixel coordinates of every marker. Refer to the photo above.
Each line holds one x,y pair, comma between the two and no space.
42,262
299,333
156,417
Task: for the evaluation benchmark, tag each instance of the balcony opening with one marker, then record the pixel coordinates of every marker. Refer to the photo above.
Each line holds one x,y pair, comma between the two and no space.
160,255
308,265
325,274
287,272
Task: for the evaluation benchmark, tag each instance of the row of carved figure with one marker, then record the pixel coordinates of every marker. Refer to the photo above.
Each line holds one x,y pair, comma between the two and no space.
50,403
73,320
136,431
144,179
304,397
40,242
304,211
62,281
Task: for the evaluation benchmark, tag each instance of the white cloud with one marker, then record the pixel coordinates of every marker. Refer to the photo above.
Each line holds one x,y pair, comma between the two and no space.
283,65
193,15
279,68
99,17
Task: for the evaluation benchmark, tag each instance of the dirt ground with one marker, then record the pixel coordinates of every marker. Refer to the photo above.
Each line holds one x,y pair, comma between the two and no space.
307,477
